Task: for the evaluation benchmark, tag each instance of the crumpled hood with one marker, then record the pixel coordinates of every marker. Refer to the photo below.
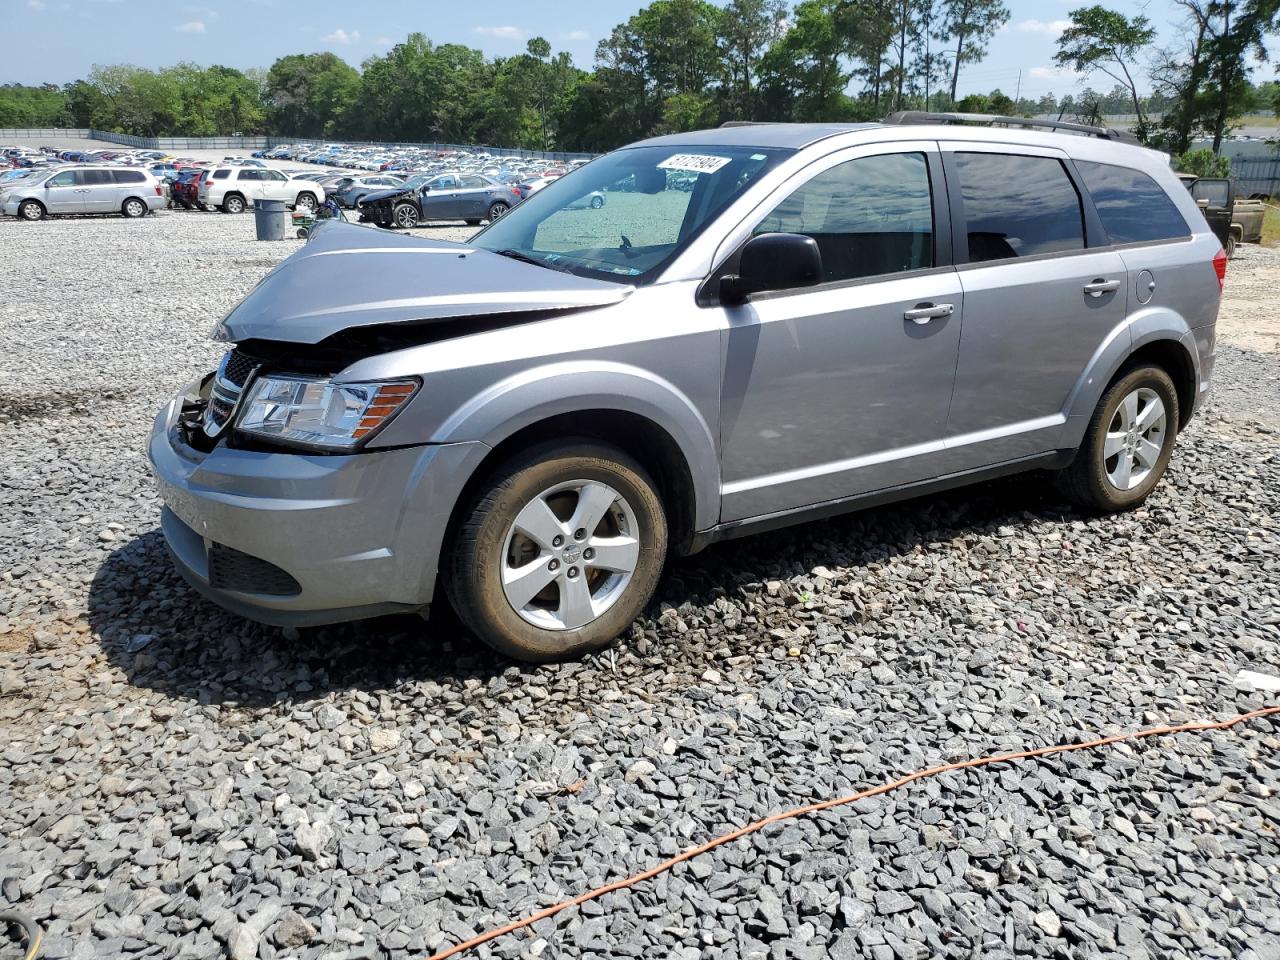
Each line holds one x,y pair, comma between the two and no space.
349,276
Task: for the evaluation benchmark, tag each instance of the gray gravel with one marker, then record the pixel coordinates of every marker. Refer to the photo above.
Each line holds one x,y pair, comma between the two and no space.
175,782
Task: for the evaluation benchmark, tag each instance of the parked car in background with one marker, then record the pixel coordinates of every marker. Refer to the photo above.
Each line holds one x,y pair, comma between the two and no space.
1234,219
468,196
351,190
185,189
233,189
83,190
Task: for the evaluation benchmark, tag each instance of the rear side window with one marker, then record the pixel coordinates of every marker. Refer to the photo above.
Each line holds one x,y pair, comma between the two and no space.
95,178
1133,207
129,176
871,216
1018,206
221,174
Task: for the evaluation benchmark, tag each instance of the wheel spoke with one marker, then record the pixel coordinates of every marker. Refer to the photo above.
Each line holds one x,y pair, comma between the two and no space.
524,583
594,501
1147,454
575,608
619,554
1123,471
1128,411
1150,415
1113,445
539,524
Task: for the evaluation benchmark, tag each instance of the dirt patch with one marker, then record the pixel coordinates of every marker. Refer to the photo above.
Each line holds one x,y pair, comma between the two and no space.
55,404
16,641
1250,314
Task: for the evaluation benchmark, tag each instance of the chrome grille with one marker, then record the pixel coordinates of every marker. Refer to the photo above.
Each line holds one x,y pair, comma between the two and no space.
234,373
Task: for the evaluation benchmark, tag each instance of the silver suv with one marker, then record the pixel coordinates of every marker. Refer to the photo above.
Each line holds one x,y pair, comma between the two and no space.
129,191
763,325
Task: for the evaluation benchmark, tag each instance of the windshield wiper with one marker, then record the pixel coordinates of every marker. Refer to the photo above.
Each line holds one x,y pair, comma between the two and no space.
525,258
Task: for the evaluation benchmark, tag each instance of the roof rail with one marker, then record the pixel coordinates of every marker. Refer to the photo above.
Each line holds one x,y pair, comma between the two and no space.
749,123
921,116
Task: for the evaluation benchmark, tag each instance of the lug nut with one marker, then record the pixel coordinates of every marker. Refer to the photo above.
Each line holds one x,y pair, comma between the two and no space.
557,541
573,573
588,554
553,565
580,534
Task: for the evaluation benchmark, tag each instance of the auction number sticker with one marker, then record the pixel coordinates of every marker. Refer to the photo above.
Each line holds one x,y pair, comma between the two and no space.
694,163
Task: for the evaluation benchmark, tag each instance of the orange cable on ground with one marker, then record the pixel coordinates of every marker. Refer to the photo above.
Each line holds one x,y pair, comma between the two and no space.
827,805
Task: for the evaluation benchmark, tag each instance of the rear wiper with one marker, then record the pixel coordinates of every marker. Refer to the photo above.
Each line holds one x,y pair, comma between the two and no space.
525,258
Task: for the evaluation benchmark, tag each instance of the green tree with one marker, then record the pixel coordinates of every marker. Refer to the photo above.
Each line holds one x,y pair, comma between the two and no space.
1203,163
804,74
1102,39
746,31
970,25
307,93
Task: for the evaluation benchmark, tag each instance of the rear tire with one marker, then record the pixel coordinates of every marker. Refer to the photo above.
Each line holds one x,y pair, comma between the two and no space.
134,208
233,203
1127,445
1231,248
473,223
498,209
31,210
584,585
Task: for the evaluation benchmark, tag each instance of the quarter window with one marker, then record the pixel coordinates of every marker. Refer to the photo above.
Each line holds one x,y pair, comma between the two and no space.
221,174
1132,206
870,216
1018,206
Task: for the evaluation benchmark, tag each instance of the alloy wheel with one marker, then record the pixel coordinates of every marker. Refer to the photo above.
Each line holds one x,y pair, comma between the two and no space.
497,210
570,553
406,216
1135,439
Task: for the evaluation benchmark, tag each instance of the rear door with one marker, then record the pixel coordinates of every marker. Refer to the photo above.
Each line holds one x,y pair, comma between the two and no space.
1042,291
64,193
129,183
474,197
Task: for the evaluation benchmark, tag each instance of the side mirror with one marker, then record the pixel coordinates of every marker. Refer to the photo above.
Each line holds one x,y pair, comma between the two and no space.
773,261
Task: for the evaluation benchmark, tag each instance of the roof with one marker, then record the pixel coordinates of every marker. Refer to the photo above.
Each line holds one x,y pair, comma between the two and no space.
786,135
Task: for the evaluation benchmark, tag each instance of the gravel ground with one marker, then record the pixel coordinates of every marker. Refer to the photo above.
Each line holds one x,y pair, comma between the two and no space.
175,782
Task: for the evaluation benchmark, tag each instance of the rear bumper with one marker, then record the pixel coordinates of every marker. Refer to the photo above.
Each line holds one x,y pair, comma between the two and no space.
351,536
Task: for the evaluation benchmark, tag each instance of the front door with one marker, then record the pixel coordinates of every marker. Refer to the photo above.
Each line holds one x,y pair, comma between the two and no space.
440,200
843,388
1038,299
64,192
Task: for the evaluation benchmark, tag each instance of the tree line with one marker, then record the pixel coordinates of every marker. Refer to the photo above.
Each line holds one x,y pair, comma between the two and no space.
683,64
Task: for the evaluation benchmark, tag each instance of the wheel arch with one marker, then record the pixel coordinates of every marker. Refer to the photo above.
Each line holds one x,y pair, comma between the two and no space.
1156,336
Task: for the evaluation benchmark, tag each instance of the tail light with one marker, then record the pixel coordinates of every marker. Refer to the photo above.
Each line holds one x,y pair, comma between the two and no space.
1220,268
515,192
159,190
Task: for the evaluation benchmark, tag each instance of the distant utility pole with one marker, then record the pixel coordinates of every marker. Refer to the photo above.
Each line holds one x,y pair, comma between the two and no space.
1017,97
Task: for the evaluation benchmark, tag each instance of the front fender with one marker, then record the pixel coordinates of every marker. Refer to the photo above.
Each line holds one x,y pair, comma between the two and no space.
1136,331
531,396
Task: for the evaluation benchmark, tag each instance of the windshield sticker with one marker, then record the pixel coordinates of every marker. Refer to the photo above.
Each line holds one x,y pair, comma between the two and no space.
694,163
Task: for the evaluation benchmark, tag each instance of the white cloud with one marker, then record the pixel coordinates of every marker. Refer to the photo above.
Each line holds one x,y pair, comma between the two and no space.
1050,27
1054,73
577,35
341,36
35,4
191,26
503,33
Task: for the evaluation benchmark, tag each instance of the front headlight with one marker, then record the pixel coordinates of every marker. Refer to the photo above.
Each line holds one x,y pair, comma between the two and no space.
315,412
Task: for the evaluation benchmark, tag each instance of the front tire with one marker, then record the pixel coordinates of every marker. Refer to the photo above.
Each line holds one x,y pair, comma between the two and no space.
559,552
306,201
1128,443
405,216
31,211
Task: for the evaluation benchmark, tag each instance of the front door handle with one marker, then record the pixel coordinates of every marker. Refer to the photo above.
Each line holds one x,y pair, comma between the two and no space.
1099,287
925,312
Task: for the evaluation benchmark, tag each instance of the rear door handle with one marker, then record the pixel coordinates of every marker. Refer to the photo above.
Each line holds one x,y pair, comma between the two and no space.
1099,287
926,312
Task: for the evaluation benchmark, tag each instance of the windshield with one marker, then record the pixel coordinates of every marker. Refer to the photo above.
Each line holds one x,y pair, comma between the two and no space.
624,216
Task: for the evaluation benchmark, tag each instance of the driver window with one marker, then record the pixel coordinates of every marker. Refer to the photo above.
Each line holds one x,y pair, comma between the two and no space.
870,217
64,179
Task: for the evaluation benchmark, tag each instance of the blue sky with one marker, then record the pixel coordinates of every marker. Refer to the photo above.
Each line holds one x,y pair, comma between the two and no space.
75,34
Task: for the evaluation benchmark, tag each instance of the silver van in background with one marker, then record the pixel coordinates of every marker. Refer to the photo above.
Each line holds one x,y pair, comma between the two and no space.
128,191
764,324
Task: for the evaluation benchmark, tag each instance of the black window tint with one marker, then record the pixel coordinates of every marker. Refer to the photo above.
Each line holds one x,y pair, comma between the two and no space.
1018,206
128,176
95,178
870,216
1133,207
221,174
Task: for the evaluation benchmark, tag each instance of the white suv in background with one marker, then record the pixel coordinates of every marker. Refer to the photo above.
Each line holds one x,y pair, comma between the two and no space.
232,189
